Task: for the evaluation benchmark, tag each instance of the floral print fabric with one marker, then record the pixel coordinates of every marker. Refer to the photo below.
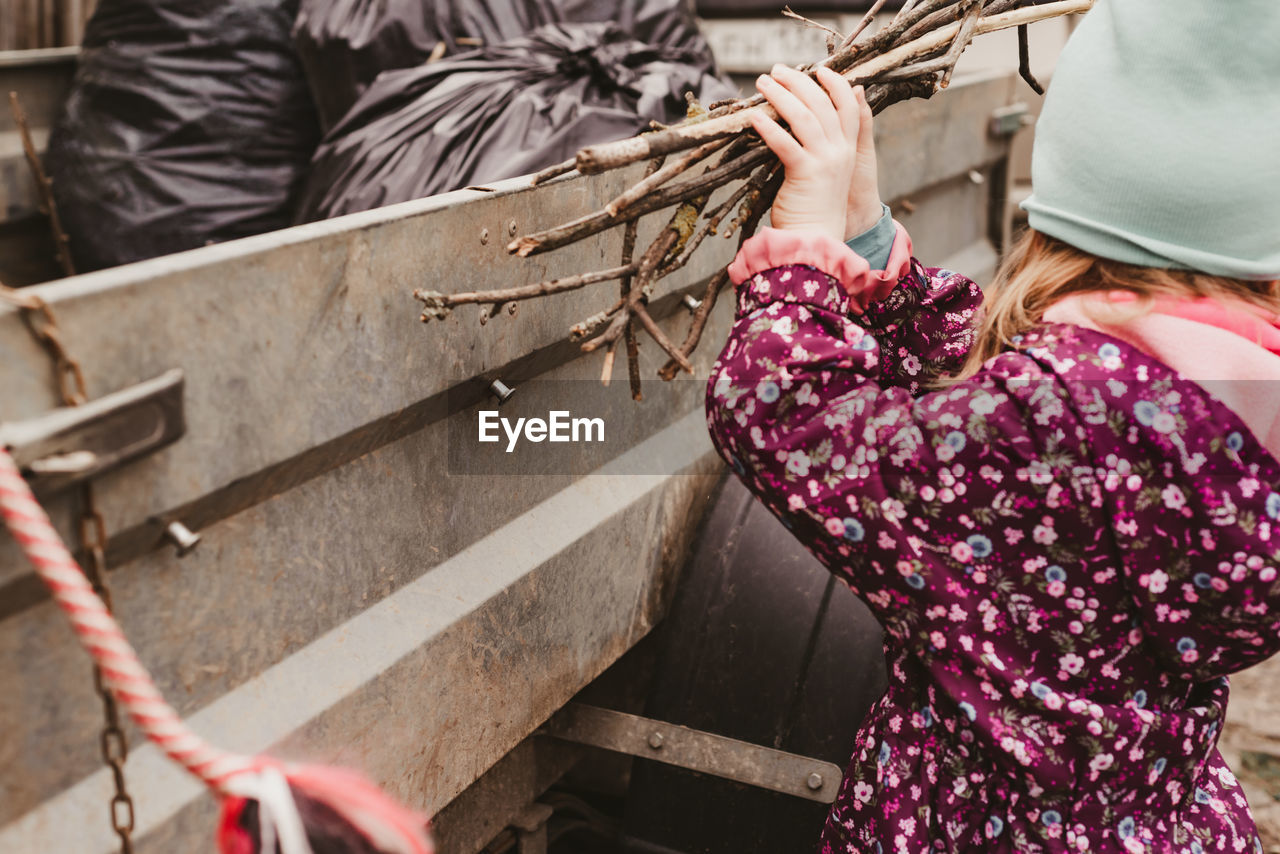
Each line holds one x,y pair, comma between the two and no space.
1069,552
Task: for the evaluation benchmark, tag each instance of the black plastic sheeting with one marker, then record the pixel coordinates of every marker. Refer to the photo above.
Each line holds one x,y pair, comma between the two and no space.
505,110
188,122
345,44
195,121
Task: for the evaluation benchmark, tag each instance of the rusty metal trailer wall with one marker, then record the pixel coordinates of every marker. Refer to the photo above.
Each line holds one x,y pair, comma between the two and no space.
354,599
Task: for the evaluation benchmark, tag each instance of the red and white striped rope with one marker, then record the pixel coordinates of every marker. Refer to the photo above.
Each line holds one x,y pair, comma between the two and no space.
101,637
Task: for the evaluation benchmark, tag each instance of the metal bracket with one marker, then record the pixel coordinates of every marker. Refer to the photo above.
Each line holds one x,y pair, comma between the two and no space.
695,750
531,829
73,444
1006,121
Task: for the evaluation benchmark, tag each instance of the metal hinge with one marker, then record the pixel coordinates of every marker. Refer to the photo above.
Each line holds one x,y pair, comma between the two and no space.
73,444
695,750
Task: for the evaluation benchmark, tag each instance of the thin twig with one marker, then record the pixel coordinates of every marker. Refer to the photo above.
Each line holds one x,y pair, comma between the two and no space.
906,7
864,23
437,305
554,172
600,158
586,327
612,333
720,279
623,321
606,370
666,197
809,22
656,333
662,176
633,361
945,63
61,243
712,222
961,41
1024,61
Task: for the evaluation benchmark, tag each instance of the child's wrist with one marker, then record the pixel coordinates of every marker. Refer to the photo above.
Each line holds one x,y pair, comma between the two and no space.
830,229
863,220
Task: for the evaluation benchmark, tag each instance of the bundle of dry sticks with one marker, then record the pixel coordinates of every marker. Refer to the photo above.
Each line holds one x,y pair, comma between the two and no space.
911,56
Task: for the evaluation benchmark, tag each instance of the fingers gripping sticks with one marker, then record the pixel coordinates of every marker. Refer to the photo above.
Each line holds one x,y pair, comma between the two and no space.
829,156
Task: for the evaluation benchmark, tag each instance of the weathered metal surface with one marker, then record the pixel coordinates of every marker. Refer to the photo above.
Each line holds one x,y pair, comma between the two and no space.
424,690
491,803
72,444
356,599
306,337
696,750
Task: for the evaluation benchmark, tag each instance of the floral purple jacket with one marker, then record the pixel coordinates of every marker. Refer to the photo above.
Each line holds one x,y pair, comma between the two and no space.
1069,552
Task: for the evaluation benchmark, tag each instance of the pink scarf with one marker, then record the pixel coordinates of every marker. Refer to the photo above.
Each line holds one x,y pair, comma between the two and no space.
1233,350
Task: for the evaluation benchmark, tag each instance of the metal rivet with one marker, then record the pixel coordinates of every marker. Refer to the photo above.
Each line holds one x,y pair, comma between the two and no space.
815,781
691,303
484,236
511,228
656,740
183,539
977,177
501,391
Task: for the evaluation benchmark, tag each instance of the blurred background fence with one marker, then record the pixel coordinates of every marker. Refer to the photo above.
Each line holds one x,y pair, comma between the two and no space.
30,24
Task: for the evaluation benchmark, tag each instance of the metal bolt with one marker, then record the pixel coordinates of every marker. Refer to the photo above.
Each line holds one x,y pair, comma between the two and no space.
815,781
182,538
656,740
484,237
691,303
511,228
73,462
501,391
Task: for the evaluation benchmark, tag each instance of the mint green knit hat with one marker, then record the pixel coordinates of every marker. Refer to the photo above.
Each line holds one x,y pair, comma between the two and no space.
1159,141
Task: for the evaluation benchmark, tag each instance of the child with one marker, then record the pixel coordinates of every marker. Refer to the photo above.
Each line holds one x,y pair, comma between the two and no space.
1067,527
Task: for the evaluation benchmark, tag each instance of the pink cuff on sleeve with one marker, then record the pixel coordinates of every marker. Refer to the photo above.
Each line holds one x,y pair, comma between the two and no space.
773,247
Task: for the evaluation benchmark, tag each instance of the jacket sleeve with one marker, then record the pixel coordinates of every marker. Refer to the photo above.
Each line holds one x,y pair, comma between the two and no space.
1196,516
805,404
922,317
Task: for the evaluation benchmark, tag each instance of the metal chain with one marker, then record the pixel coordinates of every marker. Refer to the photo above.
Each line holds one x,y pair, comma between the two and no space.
92,529
39,318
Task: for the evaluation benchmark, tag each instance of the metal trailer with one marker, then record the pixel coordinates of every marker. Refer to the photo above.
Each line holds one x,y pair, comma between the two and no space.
362,594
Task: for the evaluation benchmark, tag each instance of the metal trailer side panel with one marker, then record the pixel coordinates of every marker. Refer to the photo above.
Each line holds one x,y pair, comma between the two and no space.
316,467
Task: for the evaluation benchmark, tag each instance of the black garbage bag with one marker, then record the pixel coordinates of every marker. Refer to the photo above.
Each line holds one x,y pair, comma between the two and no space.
497,112
346,44
188,122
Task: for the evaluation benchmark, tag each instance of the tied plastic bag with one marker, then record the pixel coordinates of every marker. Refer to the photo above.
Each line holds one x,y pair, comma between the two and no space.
188,122
345,44
499,112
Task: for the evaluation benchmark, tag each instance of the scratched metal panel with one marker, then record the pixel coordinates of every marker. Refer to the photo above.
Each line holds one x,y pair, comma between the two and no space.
233,635
308,339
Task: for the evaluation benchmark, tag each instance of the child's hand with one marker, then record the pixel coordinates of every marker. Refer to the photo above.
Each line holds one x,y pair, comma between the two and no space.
830,183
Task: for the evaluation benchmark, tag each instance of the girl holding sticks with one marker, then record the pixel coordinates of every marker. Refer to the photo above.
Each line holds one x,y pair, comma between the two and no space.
1062,502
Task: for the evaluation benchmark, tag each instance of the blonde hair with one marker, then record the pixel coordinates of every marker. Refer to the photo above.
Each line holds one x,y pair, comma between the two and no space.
1040,270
